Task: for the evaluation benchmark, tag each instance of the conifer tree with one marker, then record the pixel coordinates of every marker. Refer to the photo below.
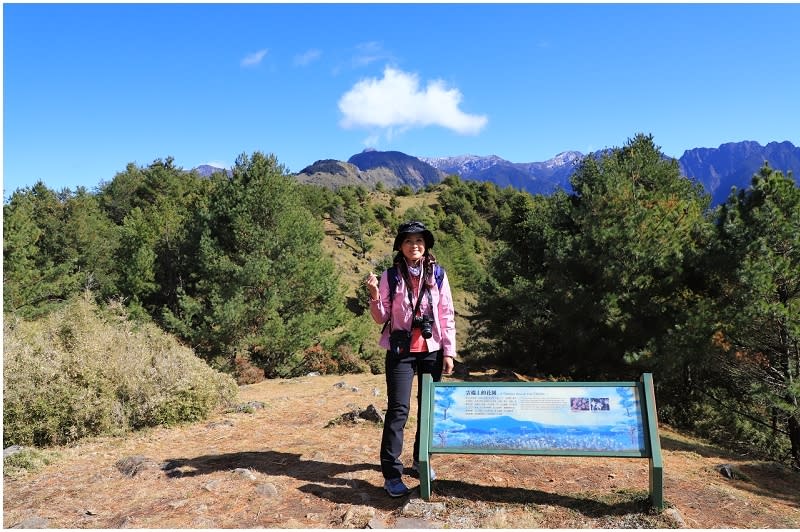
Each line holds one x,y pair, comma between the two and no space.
54,245
759,313
260,285
152,206
588,282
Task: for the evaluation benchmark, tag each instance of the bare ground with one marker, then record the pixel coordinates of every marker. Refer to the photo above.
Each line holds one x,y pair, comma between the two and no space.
281,467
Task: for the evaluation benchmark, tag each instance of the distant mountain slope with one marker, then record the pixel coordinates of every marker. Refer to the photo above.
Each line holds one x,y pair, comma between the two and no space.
717,169
734,163
536,178
410,170
334,174
206,170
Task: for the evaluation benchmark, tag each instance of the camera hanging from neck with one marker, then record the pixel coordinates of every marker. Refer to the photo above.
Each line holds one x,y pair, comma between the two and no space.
422,286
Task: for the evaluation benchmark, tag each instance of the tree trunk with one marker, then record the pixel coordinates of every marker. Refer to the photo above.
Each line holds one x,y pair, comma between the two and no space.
793,425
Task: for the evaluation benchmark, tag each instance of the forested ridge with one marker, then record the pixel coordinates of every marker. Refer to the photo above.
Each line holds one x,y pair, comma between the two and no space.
632,272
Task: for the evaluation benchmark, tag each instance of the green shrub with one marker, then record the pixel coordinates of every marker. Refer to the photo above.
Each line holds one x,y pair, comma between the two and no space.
26,461
734,429
81,372
348,361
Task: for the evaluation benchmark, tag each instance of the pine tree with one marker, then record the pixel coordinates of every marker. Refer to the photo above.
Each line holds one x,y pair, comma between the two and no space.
54,245
260,285
759,319
584,284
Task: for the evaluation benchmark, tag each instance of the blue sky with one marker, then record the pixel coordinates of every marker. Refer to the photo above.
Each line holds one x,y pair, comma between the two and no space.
89,88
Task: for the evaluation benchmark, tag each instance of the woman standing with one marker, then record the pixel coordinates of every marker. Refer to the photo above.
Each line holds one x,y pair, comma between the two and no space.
414,302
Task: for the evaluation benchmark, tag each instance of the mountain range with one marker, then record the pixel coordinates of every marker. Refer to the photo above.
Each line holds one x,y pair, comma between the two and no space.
718,169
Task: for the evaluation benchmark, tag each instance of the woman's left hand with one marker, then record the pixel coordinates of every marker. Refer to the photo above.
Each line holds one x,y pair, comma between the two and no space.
447,366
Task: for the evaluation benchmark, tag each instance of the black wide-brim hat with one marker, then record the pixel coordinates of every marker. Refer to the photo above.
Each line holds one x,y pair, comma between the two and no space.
409,228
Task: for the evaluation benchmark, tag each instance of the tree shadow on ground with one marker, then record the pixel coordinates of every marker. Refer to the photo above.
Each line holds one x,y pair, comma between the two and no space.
354,305
468,374
668,443
341,240
326,479
770,479
586,506
764,478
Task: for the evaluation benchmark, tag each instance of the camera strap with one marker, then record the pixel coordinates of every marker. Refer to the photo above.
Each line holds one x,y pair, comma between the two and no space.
419,299
419,291
423,287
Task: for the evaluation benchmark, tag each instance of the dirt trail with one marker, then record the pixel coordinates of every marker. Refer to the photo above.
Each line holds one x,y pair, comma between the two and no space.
280,467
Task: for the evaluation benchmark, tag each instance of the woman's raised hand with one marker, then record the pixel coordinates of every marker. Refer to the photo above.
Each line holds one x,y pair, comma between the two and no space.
372,285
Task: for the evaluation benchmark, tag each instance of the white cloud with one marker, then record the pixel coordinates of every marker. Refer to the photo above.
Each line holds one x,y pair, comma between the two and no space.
397,101
254,59
369,52
372,141
307,57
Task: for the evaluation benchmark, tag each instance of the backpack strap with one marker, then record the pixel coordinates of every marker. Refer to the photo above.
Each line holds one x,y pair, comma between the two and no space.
393,276
438,273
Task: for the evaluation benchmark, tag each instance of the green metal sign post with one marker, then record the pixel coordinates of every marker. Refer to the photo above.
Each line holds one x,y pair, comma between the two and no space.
603,419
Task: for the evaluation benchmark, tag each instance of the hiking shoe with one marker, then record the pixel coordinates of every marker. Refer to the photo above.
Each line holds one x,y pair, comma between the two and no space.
395,487
415,469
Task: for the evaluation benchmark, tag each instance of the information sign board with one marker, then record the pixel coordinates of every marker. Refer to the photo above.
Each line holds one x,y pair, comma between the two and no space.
541,418
561,419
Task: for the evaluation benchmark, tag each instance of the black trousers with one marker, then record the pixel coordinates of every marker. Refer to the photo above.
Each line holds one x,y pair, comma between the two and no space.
399,379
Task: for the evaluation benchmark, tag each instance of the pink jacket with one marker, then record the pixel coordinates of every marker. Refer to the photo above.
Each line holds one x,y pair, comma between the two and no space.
444,329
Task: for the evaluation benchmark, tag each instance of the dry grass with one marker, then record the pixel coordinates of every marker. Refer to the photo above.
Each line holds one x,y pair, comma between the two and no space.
278,467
